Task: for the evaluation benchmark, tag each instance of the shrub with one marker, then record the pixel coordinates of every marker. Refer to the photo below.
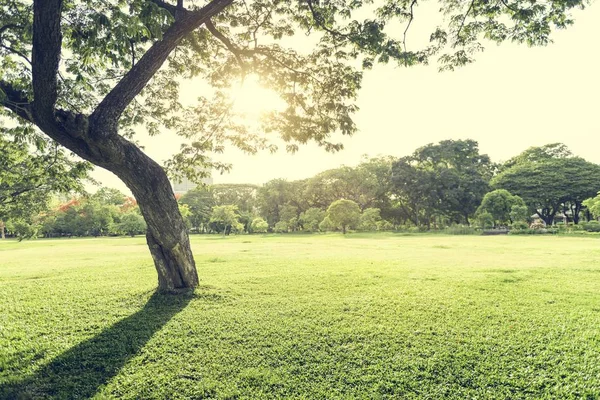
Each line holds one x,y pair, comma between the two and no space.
132,224
311,218
384,225
259,225
485,220
326,225
460,230
369,219
281,227
520,225
592,226
542,231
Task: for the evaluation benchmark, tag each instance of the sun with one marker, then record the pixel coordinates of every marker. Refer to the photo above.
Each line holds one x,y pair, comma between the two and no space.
252,99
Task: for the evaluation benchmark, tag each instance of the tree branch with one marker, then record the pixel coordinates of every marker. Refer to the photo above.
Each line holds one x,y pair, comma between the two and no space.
462,24
169,7
318,18
412,4
230,46
17,52
9,26
106,115
16,101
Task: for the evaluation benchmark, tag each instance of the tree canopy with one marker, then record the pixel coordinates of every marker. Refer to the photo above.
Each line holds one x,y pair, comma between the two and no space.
552,185
30,175
449,179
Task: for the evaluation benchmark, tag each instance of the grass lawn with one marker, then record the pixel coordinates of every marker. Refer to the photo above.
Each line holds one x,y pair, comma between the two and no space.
321,316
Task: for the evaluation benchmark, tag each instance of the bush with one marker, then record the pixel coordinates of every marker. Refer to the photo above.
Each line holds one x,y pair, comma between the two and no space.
326,225
259,225
485,220
592,226
369,219
132,224
281,227
384,226
519,225
460,230
542,231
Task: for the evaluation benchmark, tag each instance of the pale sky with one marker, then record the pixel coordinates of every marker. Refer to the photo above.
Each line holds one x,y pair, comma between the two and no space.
511,98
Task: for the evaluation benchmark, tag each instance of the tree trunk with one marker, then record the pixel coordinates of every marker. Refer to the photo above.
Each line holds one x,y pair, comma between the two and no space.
167,235
2,234
576,213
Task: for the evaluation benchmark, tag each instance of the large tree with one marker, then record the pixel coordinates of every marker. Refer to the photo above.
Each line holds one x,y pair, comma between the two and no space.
449,179
552,185
86,71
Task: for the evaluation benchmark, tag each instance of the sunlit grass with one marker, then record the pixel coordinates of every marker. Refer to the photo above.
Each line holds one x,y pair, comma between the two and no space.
307,316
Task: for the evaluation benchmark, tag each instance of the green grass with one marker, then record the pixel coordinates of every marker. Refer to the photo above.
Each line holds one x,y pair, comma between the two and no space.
304,316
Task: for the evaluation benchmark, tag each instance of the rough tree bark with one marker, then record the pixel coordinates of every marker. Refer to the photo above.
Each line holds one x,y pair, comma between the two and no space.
96,138
2,234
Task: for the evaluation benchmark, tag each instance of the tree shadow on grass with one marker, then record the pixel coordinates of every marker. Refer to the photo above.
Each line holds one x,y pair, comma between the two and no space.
79,372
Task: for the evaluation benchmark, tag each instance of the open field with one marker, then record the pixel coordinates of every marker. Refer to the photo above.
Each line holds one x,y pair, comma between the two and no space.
321,316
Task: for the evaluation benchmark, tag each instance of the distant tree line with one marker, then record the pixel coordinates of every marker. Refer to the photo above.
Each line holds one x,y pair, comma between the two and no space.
437,186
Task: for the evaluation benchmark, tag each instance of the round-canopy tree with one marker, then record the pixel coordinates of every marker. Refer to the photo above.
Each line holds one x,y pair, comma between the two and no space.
85,72
552,185
343,214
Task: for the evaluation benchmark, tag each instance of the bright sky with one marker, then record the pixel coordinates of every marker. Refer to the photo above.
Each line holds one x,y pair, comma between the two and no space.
511,98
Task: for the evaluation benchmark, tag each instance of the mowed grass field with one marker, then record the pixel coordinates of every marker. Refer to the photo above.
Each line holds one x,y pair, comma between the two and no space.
307,316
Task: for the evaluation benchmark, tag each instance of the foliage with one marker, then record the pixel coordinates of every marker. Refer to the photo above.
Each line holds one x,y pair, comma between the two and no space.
225,219
461,230
539,154
519,224
552,185
30,175
281,227
311,218
200,202
344,214
327,225
485,220
593,205
259,225
446,179
132,224
592,226
519,213
530,231
502,206
370,219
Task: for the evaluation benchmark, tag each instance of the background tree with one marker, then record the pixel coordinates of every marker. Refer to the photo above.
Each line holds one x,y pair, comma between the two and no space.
119,68
553,185
369,219
344,214
502,207
30,174
200,202
132,224
537,154
226,219
311,218
274,195
593,206
259,225
454,178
